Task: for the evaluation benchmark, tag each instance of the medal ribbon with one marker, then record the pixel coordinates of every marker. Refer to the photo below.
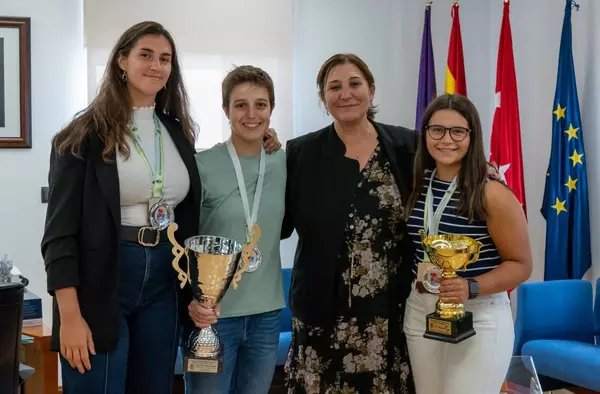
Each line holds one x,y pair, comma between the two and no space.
431,219
250,216
157,173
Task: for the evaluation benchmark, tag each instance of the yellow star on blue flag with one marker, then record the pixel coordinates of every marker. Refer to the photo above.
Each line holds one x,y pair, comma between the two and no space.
565,206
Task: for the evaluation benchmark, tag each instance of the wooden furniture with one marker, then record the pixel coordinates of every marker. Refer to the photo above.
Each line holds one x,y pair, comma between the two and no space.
45,362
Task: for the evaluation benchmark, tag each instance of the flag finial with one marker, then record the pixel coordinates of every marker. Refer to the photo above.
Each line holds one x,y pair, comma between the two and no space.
574,4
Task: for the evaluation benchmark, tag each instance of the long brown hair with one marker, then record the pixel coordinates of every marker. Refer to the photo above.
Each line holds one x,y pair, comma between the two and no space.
473,169
109,113
346,58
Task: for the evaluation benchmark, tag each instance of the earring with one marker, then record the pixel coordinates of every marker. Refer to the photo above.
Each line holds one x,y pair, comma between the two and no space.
327,112
124,76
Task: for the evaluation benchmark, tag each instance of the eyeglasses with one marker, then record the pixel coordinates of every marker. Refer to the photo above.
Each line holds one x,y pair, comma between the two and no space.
456,133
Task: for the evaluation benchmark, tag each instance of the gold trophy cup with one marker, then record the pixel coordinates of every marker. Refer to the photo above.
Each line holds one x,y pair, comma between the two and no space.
213,264
450,253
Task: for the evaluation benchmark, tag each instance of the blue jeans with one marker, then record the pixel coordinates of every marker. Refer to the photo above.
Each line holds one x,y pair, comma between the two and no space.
144,359
249,355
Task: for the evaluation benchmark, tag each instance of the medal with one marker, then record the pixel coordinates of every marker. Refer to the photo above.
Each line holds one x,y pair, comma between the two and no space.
160,213
429,282
251,257
254,257
255,260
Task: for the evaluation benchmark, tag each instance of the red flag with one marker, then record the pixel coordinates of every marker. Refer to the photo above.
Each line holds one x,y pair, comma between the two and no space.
505,141
456,80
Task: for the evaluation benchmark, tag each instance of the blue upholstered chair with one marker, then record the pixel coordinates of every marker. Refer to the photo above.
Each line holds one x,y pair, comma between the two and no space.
556,325
285,337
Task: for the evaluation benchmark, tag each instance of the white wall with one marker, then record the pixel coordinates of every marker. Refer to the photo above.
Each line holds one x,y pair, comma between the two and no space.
589,97
58,91
211,37
388,39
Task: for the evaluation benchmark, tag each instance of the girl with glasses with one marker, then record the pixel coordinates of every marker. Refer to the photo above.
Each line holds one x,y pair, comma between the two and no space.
453,194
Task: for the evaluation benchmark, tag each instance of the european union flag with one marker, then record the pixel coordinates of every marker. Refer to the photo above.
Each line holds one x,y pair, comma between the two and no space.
565,206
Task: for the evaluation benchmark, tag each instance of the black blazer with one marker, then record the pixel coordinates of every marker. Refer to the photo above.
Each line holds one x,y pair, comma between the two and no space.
81,240
320,185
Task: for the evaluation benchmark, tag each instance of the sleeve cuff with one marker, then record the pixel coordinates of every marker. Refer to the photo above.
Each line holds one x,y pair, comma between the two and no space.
61,274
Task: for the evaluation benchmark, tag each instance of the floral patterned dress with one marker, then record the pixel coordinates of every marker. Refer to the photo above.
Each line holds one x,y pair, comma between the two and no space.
359,354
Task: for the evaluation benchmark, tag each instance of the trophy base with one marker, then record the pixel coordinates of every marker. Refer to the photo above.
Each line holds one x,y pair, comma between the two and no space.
195,364
449,330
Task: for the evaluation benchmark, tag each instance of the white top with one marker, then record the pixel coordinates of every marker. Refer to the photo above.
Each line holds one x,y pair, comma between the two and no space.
135,180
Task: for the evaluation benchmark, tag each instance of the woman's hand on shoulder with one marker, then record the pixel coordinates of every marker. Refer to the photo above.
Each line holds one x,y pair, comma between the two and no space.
507,224
493,173
271,142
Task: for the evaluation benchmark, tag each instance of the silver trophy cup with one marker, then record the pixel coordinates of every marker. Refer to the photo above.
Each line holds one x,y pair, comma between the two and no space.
213,264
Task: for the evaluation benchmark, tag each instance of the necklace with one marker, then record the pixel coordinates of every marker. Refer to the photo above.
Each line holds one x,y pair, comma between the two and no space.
357,144
359,148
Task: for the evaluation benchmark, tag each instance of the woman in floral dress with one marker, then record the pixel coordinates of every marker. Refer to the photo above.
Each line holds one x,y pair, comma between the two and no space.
346,188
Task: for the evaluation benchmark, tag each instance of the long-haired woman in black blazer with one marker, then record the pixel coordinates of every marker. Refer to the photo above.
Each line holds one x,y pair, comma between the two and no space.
119,173
347,185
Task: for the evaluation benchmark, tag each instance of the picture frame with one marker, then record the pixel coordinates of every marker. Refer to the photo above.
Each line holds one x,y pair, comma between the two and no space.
15,82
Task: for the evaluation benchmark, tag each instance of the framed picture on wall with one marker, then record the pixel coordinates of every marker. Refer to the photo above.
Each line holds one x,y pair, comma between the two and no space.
15,82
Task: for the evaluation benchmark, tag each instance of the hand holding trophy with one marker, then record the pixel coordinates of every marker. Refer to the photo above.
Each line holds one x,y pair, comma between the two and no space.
219,263
450,253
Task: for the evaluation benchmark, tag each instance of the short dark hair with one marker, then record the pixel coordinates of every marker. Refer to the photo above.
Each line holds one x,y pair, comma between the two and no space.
346,58
243,74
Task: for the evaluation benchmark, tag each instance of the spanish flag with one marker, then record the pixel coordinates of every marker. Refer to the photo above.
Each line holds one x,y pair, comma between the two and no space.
456,81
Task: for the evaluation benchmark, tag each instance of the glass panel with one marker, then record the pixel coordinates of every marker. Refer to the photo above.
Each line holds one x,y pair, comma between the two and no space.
522,377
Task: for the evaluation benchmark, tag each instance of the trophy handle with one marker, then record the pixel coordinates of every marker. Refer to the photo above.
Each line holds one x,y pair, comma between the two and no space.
474,255
247,252
178,251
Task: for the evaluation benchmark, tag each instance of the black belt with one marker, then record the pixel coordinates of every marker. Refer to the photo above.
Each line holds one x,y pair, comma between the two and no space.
145,236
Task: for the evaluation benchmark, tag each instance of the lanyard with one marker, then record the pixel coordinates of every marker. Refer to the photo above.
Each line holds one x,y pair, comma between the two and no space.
157,173
431,220
250,217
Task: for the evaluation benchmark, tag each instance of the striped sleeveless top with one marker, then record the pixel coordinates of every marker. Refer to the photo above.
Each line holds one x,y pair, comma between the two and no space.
451,223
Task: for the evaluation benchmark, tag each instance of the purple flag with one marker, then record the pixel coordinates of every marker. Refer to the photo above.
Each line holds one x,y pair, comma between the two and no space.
427,88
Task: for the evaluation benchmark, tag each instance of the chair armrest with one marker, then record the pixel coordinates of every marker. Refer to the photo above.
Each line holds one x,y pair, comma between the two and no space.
560,309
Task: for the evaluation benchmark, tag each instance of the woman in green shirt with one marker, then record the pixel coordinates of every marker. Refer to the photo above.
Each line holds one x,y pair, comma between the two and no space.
249,190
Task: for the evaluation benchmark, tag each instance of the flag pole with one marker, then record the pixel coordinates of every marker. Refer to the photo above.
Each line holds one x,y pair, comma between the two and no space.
426,86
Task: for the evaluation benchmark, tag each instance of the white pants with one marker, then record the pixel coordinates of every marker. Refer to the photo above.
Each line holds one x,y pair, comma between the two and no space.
478,365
